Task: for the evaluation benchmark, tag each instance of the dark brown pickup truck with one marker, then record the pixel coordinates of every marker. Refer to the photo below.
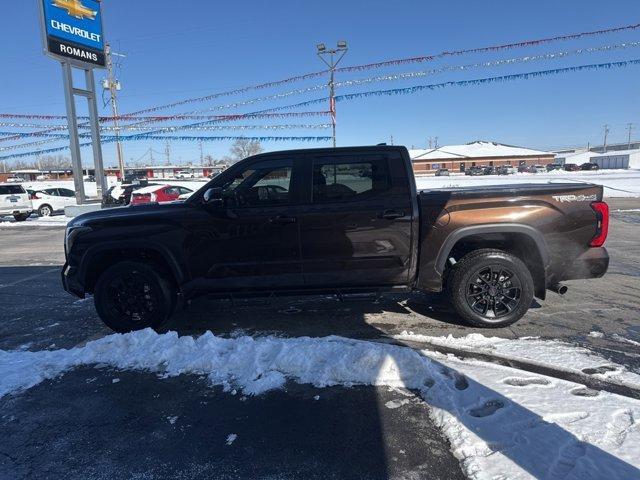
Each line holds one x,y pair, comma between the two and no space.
338,220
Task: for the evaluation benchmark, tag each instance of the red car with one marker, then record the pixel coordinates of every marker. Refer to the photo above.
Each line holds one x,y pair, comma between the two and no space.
158,194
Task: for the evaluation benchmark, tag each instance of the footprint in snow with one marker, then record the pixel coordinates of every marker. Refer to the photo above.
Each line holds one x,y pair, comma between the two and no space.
489,408
460,381
619,426
523,382
567,459
584,392
599,370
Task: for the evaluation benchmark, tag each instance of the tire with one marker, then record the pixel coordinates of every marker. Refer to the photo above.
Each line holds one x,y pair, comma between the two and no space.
21,217
132,296
490,288
45,210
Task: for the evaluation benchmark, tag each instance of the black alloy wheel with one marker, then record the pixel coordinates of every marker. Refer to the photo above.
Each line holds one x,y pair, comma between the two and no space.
494,292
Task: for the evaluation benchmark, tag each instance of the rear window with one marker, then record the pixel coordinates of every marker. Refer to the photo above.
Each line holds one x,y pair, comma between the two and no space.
11,189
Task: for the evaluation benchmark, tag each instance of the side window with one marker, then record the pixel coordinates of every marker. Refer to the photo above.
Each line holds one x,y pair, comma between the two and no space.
335,182
172,191
52,191
184,190
263,184
65,192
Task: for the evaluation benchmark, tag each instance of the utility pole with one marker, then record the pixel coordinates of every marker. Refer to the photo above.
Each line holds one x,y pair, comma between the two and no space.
167,152
391,139
629,128
113,85
340,51
201,153
606,132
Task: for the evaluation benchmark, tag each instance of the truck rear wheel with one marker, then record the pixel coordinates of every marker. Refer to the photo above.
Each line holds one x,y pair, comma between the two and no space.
133,295
490,288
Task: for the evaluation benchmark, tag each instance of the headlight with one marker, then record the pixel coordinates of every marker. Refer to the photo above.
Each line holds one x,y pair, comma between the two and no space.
71,234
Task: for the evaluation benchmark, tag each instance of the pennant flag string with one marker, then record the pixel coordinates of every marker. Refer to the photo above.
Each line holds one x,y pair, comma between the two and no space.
493,63
171,138
480,81
395,62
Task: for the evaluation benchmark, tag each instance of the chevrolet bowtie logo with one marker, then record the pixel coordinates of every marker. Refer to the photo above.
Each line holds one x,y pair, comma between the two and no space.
75,9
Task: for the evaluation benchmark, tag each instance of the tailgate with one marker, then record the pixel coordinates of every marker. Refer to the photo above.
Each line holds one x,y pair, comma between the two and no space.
15,201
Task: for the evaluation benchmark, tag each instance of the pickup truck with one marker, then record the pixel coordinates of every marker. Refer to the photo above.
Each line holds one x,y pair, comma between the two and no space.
338,220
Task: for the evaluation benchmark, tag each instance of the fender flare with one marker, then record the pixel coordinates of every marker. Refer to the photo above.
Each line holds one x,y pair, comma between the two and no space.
94,251
461,233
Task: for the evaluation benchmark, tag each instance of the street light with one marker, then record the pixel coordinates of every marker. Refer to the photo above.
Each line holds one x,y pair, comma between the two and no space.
339,52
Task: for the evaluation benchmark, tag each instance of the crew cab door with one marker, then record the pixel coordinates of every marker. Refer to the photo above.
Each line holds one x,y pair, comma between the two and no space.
251,240
356,230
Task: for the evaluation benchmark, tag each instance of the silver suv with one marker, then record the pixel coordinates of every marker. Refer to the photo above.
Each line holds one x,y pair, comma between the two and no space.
14,200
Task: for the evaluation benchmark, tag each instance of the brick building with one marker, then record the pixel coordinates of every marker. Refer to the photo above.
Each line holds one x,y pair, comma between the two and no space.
458,158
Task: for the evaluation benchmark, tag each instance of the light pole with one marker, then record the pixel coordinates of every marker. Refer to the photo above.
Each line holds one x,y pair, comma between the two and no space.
110,83
332,63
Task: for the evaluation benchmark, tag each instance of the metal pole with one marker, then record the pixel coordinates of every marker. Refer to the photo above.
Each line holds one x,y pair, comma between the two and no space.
101,181
606,132
332,101
72,124
114,110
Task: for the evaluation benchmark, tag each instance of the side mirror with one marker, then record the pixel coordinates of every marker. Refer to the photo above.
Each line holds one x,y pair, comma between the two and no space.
213,196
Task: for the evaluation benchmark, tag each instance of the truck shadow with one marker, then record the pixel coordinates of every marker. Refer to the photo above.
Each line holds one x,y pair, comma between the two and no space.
543,449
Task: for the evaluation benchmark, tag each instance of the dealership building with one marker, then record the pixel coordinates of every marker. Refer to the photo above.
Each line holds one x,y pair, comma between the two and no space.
458,158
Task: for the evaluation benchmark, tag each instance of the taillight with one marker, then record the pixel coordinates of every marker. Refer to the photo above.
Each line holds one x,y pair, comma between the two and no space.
602,223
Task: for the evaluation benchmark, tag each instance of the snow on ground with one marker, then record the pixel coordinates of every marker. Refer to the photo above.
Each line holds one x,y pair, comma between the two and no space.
617,183
501,422
35,221
548,353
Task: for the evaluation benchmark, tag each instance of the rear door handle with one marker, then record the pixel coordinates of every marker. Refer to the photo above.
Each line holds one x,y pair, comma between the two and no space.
391,214
282,220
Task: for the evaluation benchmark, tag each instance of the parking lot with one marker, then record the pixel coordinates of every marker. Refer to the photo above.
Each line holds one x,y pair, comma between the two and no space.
96,422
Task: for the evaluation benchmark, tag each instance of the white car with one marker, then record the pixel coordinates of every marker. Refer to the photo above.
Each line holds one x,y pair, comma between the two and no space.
51,200
15,179
14,200
184,174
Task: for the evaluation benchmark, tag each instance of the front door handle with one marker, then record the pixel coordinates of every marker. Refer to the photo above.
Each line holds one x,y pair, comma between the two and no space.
282,220
391,214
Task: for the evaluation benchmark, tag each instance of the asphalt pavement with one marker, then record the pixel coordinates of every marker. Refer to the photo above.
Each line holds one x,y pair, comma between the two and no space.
85,425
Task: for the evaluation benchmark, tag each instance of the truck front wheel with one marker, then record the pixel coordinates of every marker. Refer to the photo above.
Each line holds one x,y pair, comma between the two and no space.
490,288
133,295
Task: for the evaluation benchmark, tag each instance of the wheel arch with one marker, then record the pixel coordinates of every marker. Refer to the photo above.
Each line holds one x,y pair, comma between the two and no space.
97,259
524,241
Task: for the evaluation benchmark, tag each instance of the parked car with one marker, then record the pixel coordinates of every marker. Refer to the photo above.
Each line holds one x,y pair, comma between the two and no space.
507,170
473,171
589,166
442,172
51,200
571,167
14,200
304,222
42,178
15,179
158,194
539,169
489,170
554,166
120,195
182,174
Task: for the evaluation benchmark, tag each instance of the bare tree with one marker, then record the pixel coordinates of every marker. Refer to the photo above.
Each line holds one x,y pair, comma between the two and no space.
243,148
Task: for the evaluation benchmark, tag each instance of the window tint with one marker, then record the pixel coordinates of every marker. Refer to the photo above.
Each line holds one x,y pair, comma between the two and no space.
51,191
184,190
11,189
259,185
172,191
65,192
356,180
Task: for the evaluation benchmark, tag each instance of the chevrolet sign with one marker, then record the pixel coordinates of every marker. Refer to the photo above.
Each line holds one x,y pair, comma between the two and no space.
73,31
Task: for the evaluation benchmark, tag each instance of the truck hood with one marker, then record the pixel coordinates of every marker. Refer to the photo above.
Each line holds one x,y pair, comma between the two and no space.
128,213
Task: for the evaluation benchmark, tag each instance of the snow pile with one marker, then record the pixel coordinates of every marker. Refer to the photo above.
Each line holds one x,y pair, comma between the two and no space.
34,221
501,422
548,353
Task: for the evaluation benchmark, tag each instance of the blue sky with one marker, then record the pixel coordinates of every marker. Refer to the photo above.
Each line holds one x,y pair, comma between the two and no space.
188,48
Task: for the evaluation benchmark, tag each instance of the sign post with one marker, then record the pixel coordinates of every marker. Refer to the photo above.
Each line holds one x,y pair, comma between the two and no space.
72,34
